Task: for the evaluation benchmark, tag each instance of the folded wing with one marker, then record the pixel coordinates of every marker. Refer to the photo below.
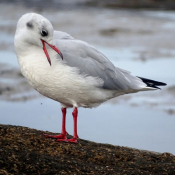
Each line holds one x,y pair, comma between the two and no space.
93,63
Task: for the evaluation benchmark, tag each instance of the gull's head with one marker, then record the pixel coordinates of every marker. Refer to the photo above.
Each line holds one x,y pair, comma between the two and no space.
34,29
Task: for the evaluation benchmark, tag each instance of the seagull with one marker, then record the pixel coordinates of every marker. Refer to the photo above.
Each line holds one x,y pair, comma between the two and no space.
70,71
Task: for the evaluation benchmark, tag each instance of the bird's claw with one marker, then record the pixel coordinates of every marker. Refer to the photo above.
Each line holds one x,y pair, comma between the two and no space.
61,140
61,136
73,140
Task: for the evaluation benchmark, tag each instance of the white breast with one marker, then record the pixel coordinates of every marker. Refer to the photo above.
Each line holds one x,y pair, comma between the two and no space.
61,82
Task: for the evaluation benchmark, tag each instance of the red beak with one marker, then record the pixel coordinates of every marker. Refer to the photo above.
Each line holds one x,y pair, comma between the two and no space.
53,47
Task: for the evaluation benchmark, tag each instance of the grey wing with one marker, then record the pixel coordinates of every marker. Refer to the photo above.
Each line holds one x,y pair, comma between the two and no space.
91,62
62,35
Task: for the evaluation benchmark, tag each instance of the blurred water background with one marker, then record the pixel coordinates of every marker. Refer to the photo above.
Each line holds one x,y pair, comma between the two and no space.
135,35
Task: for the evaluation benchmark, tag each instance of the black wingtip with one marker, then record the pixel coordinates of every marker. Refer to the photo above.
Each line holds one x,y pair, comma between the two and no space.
152,83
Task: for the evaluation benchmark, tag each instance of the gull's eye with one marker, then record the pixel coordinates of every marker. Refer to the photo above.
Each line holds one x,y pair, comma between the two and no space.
44,33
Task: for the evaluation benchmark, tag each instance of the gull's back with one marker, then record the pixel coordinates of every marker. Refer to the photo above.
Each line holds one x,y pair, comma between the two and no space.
90,62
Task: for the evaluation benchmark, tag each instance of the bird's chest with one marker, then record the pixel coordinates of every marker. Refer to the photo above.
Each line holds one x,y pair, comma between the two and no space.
36,69
50,81
30,73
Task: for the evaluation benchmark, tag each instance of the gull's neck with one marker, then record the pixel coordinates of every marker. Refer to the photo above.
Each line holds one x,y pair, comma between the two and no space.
31,55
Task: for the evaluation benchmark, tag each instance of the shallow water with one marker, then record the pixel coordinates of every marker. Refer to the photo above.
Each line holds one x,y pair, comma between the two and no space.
8,58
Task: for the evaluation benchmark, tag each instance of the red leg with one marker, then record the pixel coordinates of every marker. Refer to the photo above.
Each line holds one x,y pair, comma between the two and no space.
62,136
75,136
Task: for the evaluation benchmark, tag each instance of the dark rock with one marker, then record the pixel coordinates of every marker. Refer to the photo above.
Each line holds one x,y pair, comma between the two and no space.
26,151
